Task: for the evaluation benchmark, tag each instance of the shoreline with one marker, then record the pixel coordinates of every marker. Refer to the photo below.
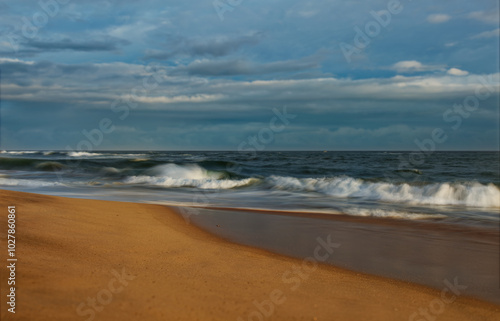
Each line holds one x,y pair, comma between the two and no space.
441,224
69,250
420,252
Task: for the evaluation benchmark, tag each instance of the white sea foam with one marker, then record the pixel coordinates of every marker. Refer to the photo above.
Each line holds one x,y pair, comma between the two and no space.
127,155
193,171
83,154
172,175
353,211
18,152
112,170
378,212
468,194
26,183
182,182
93,154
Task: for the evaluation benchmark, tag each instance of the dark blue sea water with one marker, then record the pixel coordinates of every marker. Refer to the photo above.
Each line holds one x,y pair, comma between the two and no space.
456,187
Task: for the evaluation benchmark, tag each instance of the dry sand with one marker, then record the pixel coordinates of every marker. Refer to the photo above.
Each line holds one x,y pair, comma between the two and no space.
68,248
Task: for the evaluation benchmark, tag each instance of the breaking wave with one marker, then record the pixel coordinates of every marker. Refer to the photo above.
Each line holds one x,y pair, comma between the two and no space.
468,194
83,154
172,175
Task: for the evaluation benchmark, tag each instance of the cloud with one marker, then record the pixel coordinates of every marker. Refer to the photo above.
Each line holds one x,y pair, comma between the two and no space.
305,9
348,132
438,18
244,67
491,16
89,85
366,110
179,99
457,72
215,47
226,75
14,61
31,48
107,44
488,34
408,66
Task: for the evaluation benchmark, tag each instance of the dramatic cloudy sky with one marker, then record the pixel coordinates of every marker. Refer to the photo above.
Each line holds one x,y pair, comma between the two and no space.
185,75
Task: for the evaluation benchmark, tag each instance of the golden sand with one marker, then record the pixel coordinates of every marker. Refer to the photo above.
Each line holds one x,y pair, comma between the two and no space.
100,260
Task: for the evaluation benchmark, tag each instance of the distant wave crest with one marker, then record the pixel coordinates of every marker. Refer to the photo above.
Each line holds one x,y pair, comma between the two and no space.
18,152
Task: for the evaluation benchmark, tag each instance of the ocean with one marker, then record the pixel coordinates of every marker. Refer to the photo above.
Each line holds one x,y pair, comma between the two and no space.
450,187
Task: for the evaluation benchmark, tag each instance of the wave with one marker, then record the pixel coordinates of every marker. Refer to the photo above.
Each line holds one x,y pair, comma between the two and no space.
172,175
15,163
27,182
469,194
83,154
30,164
104,155
415,171
89,164
18,152
198,183
378,212
352,211
50,166
191,171
112,170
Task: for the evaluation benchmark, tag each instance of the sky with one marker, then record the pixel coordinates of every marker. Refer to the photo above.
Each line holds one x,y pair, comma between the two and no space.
240,74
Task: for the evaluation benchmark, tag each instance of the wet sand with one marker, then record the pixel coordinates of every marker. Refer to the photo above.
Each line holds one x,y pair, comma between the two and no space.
420,251
87,259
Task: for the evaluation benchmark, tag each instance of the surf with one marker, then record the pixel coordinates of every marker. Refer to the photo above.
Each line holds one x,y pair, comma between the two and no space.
472,194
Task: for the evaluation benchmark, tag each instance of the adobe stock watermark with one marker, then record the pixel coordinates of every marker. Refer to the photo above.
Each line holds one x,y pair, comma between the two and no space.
436,307
121,107
30,27
104,297
455,115
265,136
294,278
252,144
363,37
222,6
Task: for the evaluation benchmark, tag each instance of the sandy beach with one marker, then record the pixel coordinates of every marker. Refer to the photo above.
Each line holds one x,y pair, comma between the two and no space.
100,260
